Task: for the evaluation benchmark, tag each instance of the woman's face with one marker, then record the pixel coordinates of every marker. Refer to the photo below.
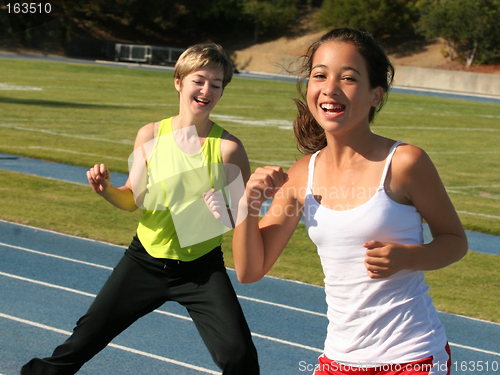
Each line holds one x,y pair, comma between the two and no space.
339,95
200,91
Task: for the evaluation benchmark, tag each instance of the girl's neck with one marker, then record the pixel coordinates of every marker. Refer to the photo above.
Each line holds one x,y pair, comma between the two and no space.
342,150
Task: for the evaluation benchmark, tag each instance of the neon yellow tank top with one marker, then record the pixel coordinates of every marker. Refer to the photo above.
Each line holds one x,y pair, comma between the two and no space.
176,223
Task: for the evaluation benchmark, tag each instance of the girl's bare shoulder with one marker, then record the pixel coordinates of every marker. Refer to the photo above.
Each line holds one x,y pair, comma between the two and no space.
300,168
297,178
408,157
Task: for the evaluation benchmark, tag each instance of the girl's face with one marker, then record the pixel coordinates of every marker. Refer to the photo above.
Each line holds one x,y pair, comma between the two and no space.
339,95
200,91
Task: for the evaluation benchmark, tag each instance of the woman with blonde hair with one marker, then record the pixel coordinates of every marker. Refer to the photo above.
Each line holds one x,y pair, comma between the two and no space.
175,163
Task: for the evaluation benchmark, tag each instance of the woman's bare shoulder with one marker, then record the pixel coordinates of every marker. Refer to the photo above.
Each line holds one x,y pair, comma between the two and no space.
146,133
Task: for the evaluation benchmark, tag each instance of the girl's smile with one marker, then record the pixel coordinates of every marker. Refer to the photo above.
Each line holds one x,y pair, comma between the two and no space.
339,93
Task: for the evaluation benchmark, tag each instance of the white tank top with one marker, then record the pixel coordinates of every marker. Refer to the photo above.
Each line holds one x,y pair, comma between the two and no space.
388,320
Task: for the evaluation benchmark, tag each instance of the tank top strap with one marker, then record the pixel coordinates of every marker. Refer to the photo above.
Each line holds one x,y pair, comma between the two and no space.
310,177
212,149
164,127
388,162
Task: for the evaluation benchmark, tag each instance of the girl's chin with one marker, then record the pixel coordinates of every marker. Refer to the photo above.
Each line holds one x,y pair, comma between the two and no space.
331,115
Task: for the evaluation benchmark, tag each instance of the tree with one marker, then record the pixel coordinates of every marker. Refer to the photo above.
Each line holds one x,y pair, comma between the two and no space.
470,28
268,14
378,17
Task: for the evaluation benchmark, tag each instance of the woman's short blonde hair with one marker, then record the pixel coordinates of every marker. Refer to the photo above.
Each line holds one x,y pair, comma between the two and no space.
201,55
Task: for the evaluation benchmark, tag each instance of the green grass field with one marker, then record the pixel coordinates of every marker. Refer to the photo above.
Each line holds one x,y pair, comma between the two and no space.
85,114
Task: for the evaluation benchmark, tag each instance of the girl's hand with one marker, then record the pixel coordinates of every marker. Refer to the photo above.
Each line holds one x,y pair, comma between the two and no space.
217,205
99,178
384,259
264,183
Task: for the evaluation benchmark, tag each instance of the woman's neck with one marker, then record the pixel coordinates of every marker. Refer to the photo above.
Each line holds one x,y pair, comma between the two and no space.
203,125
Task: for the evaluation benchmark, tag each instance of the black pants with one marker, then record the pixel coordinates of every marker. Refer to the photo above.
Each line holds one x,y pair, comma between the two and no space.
140,284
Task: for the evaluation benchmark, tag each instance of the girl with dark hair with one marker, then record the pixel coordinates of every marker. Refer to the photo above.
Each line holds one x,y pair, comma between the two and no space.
363,197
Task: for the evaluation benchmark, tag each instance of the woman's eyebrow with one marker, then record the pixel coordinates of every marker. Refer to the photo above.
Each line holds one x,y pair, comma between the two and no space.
202,76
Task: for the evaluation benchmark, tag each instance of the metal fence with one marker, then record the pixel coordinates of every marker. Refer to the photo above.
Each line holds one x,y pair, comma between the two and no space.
146,54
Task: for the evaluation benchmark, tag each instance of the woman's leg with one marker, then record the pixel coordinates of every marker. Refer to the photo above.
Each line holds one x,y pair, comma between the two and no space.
209,297
132,290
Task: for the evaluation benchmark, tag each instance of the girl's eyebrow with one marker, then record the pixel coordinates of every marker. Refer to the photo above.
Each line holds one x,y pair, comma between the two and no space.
345,68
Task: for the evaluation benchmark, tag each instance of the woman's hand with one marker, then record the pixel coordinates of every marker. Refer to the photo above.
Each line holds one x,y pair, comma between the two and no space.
384,259
217,205
99,178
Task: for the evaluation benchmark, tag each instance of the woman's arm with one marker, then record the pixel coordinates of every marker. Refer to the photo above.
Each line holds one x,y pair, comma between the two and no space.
414,174
237,171
122,197
233,153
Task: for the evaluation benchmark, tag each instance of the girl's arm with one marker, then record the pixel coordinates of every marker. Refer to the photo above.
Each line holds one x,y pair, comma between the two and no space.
258,244
414,173
122,197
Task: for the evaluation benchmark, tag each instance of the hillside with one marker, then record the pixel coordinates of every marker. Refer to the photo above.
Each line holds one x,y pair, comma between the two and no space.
270,55
420,54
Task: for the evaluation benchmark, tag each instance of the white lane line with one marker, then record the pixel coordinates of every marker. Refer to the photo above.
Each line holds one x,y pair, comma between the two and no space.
246,121
11,87
121,347
462,152
474,349
437,128
50,132
271,149
473,186
55,256
283,306
118,247
288,343
80,292
286,164
71,290
477,214
23,120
